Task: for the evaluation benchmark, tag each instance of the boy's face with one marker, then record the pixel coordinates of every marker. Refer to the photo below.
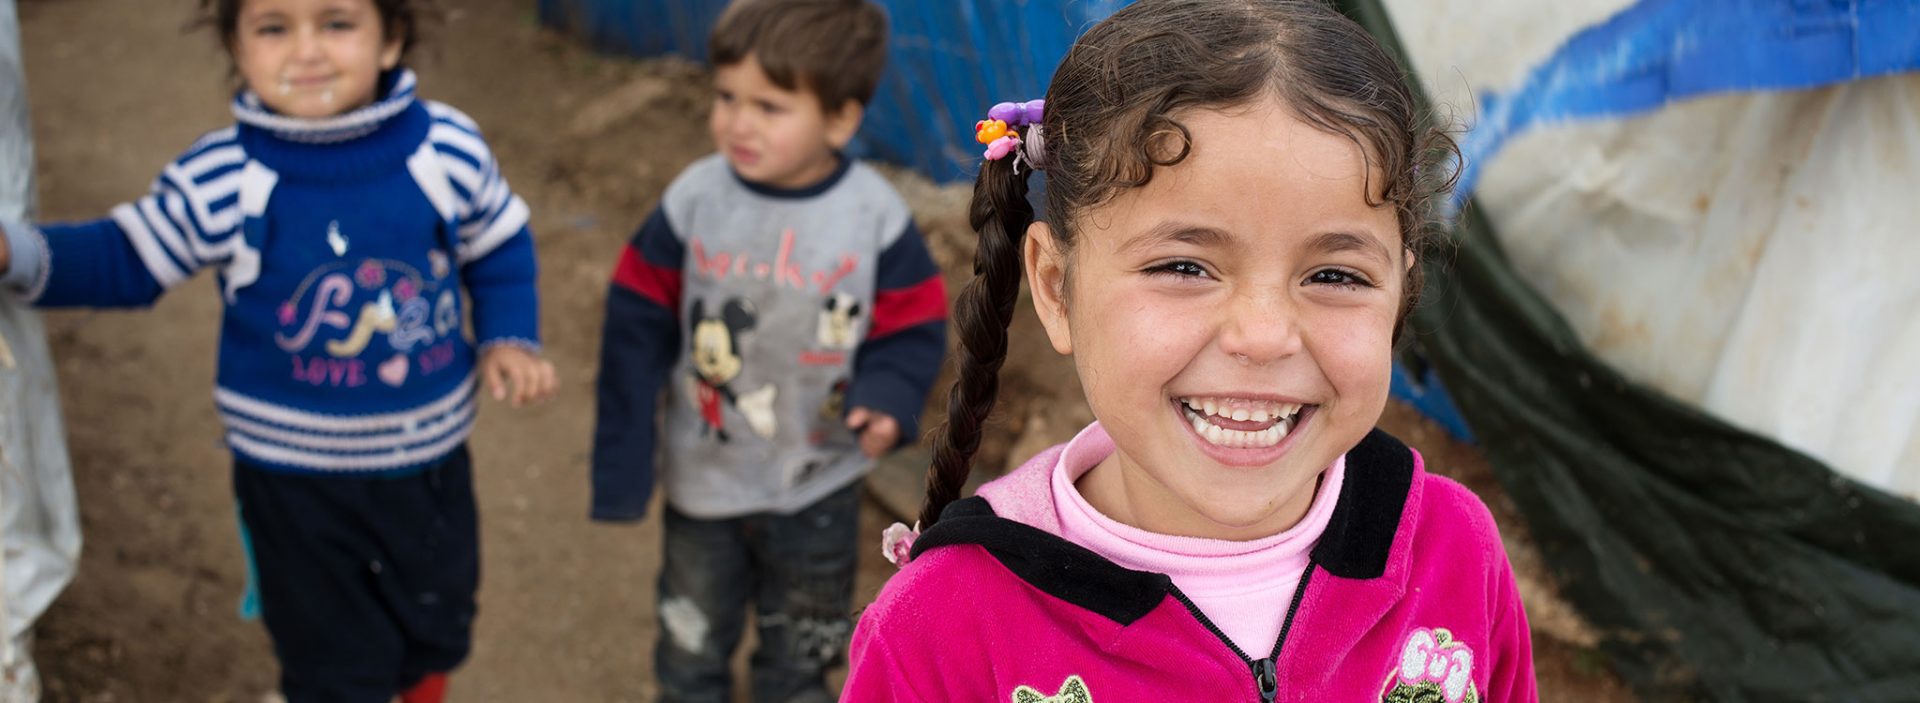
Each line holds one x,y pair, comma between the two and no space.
313,58
773,136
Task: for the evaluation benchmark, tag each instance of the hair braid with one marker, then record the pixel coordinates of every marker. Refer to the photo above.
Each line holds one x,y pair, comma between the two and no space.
1000,213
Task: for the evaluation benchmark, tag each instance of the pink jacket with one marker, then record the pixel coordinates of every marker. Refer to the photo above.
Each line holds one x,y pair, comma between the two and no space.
1409,598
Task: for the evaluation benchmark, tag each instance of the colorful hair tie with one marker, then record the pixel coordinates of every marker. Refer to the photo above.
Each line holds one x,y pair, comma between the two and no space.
1018,114
896,542
1001,132
1035,149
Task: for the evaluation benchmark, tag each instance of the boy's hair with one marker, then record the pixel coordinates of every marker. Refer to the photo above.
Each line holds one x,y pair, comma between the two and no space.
1112,118
403,17
835,49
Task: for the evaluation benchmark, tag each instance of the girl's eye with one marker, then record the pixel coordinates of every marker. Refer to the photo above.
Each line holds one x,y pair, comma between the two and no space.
771,108
340,26
1338,277
723,96
1181,269
267,30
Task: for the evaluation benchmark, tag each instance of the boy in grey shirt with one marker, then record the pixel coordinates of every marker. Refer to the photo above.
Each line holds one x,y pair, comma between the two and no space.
783,298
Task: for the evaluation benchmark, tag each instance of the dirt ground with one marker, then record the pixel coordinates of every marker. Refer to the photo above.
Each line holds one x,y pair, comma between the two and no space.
590,141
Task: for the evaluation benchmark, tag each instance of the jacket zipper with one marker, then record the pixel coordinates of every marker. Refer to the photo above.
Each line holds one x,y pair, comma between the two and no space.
1266,676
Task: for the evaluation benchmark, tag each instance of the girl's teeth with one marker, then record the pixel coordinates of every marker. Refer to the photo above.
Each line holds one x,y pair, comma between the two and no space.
1256,412
1220,436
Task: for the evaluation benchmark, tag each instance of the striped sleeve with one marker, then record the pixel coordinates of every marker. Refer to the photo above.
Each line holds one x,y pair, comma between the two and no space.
495,245
487,211
895,367
189,219
639,343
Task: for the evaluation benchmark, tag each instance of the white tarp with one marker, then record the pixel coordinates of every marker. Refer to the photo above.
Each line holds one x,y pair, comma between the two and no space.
39,522
1751,253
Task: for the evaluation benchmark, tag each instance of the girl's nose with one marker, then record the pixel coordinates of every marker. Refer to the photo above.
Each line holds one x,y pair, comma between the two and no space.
306,44
1261,327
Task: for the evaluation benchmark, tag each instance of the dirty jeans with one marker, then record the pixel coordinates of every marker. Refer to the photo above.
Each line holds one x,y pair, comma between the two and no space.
798,572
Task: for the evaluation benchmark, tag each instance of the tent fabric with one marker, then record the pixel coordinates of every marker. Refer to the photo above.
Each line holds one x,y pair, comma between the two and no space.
1658,51
39,519
1717,564
1731,251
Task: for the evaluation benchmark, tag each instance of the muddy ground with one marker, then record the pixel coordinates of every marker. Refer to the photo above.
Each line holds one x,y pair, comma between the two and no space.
118,88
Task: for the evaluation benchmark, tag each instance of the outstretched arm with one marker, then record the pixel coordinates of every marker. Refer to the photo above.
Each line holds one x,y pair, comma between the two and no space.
188,220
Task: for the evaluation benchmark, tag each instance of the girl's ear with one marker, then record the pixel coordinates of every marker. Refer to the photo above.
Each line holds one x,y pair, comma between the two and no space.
1047,277
396,38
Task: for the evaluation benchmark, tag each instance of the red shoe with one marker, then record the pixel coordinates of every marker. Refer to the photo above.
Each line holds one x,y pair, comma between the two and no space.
432,689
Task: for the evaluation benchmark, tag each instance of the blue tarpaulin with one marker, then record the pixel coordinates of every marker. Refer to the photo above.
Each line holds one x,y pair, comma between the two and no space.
949,62
1660,51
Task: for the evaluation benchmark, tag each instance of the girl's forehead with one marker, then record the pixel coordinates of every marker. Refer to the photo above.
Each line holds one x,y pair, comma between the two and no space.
252,7
1253,172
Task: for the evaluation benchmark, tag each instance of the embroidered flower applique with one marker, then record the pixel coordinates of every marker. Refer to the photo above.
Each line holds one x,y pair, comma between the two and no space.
1433,668
1073,690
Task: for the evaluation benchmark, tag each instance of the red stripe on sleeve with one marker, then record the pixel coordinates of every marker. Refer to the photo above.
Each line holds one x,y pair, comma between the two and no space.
901,308
652,281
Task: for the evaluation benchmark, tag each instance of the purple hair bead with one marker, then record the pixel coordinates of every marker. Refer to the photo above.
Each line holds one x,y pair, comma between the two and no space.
1005,112
1032,111
1018,114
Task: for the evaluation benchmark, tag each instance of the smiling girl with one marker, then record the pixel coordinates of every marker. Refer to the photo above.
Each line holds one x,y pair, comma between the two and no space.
344,219
1237,192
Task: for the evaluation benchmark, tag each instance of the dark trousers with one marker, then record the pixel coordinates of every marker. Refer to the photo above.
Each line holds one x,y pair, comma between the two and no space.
796,569
366,582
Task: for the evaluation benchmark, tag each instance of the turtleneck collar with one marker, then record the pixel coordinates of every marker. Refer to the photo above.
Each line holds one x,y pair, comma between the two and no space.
374,139
396,93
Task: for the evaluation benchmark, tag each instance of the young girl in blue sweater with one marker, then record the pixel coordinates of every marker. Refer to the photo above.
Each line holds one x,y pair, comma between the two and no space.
343,218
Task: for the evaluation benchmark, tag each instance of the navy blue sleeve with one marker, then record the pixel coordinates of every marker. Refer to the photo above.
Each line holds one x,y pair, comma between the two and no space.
94,264
639,343
506,297
896,365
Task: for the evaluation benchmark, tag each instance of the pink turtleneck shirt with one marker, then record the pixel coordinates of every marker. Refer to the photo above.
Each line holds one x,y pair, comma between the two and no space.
1244,588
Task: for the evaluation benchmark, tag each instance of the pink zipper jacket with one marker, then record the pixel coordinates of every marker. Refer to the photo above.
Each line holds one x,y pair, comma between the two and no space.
1409,599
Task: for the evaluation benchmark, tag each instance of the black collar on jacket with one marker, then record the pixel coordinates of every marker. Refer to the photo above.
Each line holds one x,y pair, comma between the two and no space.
1356,544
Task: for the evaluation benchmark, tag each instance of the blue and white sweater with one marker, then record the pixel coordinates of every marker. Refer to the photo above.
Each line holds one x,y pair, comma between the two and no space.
341,247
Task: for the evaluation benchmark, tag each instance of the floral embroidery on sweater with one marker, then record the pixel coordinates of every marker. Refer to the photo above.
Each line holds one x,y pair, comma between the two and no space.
1433,668
1073,690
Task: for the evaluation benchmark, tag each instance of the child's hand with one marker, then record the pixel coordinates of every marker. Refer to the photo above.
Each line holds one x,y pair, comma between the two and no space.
878,431
6,254
530,377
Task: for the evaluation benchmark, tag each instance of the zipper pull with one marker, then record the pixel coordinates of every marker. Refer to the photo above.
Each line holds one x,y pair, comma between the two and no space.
1266,679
